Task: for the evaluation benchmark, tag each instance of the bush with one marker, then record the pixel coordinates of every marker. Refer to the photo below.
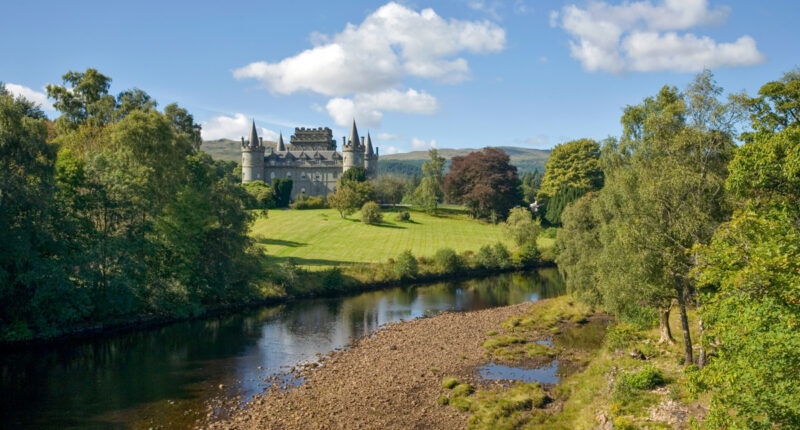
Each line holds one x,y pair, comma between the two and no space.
528,254
305,202
403,216
447,261
449,383
332,279
620,336
371,213
501,256
629,383
406,266
485,257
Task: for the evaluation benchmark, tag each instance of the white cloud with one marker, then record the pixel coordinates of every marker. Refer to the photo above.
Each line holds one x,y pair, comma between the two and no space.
389,150
31,95
232,127
368,108
389,137
487,8
391,43
642,36
521,7
421,144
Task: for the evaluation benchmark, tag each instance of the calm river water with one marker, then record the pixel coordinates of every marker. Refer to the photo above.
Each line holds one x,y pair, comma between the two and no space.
167,377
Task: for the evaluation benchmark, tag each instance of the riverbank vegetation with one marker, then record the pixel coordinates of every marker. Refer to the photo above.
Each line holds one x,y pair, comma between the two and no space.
688,218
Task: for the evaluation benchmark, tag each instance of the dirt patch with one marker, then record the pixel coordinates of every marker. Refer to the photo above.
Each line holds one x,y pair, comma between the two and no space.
390,379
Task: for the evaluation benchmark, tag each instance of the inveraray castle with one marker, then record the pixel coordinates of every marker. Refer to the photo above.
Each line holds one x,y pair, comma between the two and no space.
310,159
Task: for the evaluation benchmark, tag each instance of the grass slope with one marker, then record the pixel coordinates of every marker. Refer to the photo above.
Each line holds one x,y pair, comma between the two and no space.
322,238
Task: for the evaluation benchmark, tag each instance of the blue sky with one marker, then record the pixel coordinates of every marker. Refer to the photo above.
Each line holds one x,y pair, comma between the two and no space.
446,73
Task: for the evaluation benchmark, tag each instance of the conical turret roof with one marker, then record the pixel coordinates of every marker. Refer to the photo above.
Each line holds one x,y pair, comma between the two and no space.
354,134
369,145
253,135
281,146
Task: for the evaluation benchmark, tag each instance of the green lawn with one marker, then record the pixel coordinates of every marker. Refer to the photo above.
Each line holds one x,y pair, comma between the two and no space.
322,238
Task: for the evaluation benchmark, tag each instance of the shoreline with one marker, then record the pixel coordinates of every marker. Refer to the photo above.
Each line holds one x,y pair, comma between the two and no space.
388,379
151,322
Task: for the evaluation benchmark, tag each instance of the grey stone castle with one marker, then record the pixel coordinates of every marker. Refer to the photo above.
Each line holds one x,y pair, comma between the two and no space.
310,159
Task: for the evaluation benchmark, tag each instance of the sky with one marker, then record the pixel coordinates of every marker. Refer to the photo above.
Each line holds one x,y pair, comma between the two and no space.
414,74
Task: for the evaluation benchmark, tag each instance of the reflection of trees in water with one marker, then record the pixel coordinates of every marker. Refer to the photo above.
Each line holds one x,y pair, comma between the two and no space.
70,384
79,381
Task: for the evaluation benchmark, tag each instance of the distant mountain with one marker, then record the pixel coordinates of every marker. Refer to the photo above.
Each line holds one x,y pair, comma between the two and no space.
408,163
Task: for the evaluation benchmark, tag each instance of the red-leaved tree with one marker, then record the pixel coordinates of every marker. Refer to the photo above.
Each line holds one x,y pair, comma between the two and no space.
484,182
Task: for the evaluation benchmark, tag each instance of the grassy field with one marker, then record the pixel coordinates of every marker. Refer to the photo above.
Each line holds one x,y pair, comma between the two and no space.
322,238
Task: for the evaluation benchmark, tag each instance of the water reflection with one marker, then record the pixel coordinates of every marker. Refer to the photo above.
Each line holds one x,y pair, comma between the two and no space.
133,378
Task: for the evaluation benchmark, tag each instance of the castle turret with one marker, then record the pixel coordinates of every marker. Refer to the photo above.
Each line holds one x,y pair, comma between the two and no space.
252,157
370,160
281,145
352,150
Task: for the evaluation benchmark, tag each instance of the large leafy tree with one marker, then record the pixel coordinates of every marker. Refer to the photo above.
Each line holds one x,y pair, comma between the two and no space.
663,194
751,274
573,164
485,182
430,191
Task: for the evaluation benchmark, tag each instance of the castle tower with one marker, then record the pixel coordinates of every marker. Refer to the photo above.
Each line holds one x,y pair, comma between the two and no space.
371,159
252,157
352,150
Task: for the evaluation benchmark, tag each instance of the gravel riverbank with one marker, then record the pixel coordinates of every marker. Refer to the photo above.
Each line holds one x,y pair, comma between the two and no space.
386,381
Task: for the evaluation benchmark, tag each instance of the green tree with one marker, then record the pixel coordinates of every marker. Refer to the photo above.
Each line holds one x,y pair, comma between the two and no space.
521,227
371,213
750,274
354,174
282,190
83,98
429,192
573,164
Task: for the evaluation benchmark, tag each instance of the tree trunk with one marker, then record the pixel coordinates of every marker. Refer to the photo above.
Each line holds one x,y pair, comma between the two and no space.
687,340
663,323
701,358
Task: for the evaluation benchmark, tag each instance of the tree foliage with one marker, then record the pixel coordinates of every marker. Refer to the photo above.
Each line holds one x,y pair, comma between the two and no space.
484,181
750,274
119,215
573,164
282,190
521,227
429,192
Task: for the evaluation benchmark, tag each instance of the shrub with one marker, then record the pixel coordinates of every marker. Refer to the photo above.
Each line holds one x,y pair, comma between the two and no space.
449,383
485,257
332,279
447,260
371,213
628,384
528,254
305,202
501,256
619,336
403,216
406,266
462,390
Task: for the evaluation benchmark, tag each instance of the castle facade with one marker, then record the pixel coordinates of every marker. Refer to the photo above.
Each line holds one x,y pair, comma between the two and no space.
310,159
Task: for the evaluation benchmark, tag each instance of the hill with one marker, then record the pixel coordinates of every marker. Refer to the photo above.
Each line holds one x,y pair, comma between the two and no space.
408,163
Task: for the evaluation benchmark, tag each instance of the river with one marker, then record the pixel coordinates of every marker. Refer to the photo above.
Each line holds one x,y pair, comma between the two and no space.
170,377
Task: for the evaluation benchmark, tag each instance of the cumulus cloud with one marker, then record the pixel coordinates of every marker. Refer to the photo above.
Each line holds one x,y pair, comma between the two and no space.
643,36
232,127
389,150
31,95
368,108
421,144
363,67
391,43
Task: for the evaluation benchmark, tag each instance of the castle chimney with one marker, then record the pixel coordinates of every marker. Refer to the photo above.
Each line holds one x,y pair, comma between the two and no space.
344,141
242,140
261,140
362,140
